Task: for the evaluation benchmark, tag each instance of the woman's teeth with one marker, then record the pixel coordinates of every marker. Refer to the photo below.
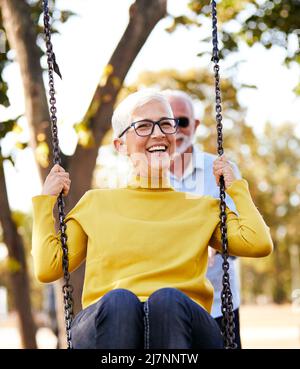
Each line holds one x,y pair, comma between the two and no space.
157,148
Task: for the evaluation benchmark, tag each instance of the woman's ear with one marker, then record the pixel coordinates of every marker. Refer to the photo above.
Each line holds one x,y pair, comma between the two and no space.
120,146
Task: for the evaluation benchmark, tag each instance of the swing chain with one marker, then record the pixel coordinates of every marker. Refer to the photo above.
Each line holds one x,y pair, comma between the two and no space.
226,295
67,289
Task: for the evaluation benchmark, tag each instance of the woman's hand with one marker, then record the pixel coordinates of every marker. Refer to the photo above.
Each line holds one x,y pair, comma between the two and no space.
57,180
222,166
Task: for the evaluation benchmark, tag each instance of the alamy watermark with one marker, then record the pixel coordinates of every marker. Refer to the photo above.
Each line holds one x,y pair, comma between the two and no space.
121,172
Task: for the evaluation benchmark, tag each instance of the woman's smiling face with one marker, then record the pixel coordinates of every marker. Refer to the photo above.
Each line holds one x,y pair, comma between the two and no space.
151,153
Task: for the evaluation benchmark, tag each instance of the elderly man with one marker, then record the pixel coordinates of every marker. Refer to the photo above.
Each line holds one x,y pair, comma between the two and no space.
192,171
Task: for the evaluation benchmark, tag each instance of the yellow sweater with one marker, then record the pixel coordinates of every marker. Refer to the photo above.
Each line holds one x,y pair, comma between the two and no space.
144,239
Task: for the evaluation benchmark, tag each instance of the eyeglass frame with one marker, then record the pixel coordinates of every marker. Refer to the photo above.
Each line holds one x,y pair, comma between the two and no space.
153,126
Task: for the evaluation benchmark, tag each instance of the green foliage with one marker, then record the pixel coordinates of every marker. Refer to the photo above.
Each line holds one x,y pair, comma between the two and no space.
297,89
6,127
269,22
182,20
272,170
198,83
3,63
11,125
227,9
272,22
58,17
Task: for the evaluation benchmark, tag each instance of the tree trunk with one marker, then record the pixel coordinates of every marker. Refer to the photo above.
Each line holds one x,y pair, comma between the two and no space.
279,295
295,267
17,269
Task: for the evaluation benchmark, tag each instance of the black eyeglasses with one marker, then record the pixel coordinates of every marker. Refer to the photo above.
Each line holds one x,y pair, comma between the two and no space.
183,122
145,127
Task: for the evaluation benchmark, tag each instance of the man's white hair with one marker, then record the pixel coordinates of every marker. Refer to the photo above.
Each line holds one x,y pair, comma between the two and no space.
122,116
181,95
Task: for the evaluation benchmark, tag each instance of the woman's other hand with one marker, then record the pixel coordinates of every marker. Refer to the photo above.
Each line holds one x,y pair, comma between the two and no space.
57,180
221,166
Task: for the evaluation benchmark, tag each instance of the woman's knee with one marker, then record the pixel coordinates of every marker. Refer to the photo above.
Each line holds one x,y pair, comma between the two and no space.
169,299
120,299
120,293
115,319
167,294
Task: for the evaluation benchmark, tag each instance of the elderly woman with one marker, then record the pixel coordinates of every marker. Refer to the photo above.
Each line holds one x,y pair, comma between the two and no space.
146,245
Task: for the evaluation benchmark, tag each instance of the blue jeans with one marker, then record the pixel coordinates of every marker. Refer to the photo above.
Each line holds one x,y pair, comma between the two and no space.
169,319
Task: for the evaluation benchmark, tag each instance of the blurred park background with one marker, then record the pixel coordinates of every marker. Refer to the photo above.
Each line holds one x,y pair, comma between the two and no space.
107,49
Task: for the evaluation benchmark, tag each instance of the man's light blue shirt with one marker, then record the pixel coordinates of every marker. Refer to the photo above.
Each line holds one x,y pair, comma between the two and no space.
199,179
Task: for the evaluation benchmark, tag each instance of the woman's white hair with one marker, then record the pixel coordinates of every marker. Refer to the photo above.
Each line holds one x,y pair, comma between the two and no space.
122,116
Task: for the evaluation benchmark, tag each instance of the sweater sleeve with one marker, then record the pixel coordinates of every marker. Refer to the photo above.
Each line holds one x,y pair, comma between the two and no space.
46,244
247,234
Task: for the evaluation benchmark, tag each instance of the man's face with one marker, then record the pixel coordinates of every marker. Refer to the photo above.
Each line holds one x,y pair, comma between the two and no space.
184,136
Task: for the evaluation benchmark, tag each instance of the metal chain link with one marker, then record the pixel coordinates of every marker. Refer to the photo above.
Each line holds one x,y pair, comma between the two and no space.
67,289
226,295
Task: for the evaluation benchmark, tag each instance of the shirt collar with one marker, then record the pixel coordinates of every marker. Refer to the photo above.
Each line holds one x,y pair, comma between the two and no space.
197,162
